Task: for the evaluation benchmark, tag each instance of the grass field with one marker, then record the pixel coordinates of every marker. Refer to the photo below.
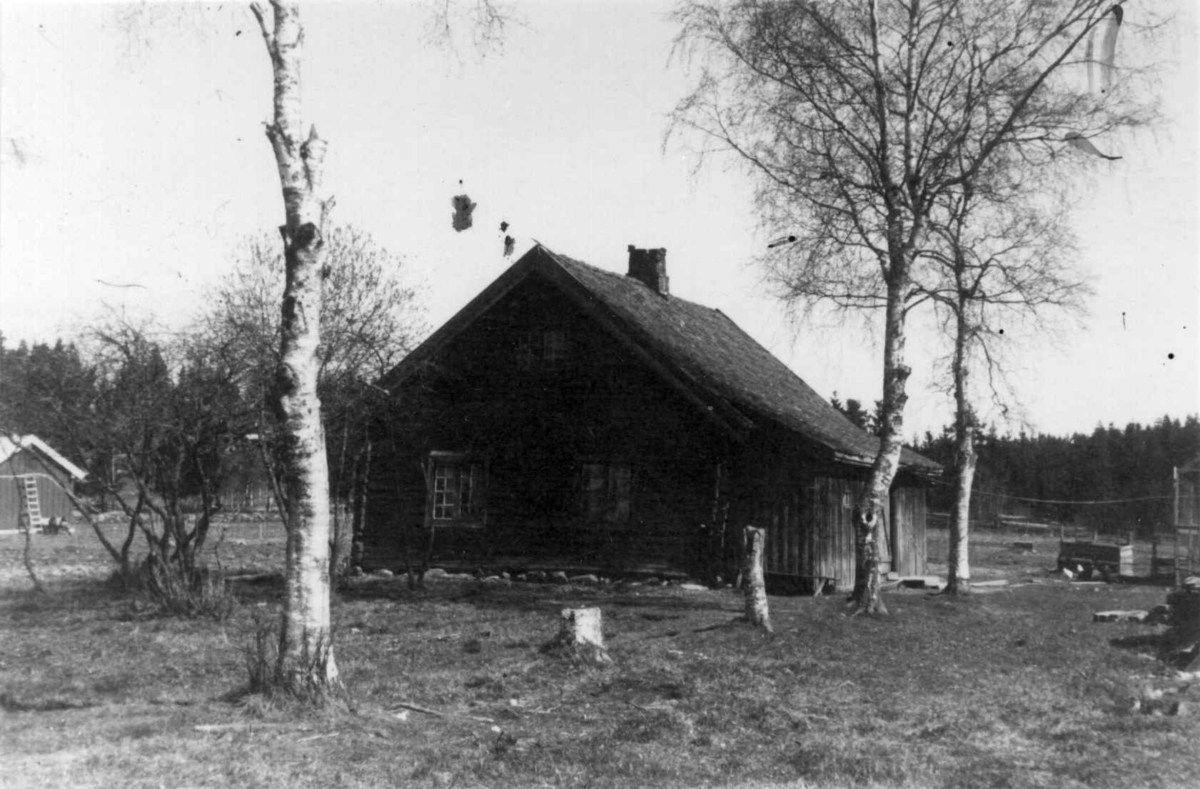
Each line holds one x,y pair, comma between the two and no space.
1013,687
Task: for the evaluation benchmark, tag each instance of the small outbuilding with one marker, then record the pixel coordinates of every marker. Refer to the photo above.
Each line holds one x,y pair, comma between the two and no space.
1186,518
573,417
33,481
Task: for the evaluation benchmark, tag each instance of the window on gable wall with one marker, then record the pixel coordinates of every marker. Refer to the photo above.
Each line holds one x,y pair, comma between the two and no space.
458,488
607,490
541,348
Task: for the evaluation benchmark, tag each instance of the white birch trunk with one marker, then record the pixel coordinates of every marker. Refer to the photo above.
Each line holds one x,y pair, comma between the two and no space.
901,243
306,662
757,612
876,496
958,576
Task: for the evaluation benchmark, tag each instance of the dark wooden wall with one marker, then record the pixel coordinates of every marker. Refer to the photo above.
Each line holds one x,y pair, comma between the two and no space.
908,518
535,424
806,504
810,531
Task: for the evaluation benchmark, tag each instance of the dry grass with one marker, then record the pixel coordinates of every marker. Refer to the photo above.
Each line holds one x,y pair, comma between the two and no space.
1013,688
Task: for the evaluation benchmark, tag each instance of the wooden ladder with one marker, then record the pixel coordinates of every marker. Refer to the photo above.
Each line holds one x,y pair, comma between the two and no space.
33,505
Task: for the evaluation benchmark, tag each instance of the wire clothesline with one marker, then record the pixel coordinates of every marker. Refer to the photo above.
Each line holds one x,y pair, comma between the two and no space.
1072,501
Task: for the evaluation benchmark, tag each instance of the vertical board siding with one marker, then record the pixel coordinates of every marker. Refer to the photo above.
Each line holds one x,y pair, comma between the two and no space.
847,561
797,533
54,502
803,550
818,540
908,515
833,532
10,499
810,526
778,504
771,550
789,538
918,538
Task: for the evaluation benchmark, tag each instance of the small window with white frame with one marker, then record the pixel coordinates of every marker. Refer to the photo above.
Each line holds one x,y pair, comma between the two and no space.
457,489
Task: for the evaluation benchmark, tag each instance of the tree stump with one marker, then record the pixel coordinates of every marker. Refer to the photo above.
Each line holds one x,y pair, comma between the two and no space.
756,587
580,637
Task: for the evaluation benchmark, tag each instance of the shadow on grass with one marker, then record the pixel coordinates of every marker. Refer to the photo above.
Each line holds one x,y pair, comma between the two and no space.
10,703
531,597
24,611
258,589
108,598
1146,643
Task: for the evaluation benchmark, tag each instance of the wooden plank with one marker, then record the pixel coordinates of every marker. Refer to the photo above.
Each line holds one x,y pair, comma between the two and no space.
920,532
802,532
830,537
780,534
773,543
843,522
789,539
855,488
822,533
794,527
779,547
782,530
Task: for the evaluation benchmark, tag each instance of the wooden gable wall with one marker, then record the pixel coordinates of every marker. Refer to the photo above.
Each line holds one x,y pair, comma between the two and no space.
492,393
50,480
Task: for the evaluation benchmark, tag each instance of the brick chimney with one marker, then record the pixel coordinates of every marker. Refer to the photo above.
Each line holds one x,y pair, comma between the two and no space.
649,266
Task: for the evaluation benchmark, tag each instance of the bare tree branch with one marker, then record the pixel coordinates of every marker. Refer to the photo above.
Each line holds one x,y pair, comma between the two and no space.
859,120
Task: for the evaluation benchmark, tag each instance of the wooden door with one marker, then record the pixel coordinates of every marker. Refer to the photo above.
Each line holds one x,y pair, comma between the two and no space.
908,531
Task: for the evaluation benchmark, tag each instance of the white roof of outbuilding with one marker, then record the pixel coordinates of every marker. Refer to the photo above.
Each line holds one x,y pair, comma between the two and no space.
11,445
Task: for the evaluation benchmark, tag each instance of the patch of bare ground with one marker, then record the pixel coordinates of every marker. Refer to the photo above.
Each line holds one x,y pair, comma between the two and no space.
1009,689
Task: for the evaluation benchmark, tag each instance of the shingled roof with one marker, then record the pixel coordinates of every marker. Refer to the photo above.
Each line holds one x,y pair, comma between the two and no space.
707,354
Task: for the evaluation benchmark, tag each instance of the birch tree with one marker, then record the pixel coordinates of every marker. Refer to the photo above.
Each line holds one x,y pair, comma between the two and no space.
855,118
306,666
1002,262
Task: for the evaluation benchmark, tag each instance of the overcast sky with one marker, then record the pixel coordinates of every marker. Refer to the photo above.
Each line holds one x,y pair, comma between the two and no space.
134,156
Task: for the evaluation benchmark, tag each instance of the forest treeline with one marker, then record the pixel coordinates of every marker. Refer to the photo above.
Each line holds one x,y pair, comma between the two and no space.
40,382
1044,477
1114,479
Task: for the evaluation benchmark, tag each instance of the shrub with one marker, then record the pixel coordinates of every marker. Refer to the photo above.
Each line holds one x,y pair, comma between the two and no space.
261,655
193,592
